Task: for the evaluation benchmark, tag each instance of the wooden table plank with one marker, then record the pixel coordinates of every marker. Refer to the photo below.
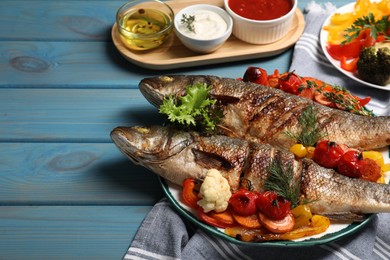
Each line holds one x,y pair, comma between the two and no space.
68,232
57,20
73,174
76,115
91,65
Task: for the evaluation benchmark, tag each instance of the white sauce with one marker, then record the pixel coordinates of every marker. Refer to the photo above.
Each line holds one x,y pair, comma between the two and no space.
208,25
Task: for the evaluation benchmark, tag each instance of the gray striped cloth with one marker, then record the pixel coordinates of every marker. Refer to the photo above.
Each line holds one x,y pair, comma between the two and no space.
164,234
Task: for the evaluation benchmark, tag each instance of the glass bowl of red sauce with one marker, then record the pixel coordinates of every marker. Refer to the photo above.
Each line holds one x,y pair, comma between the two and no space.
261,22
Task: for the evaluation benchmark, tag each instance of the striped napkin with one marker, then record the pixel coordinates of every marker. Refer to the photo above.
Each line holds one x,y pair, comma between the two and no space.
166,235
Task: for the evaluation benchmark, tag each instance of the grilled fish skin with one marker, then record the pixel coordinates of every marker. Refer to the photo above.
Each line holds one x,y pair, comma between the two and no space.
176,155
263,114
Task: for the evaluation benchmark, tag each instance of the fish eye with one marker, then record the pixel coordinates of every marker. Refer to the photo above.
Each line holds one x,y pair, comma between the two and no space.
166,79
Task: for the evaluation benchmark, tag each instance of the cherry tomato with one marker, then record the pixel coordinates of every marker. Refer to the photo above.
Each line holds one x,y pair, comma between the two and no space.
328,153
256,75
290,83
243,202
273,206
349,164
273,80
189,196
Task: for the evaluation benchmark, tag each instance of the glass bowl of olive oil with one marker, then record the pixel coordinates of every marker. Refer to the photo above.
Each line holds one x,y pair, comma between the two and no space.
144,25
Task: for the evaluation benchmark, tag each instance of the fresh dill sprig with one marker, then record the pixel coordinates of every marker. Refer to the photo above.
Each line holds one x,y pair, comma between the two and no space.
281,180
310,132
189,22
367,22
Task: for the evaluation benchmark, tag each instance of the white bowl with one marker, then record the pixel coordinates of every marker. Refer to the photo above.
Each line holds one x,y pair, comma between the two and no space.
261,31
192,41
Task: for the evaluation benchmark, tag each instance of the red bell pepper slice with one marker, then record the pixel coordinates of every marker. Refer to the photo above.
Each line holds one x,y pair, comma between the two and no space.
348,50
364,101
349,66
189,196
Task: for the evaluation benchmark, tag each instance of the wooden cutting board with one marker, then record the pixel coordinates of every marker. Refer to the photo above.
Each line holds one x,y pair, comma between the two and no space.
173,54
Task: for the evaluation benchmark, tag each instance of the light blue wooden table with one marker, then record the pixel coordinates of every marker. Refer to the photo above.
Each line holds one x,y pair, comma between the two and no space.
66,192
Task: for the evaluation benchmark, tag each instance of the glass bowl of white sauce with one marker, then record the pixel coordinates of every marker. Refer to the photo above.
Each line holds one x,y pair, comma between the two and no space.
203,28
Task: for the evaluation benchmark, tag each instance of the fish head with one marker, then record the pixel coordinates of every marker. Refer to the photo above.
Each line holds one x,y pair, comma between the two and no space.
149,145
155,89
162,150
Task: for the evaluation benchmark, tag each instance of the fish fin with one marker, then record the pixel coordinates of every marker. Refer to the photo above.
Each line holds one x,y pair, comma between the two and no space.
228,131
345,216
210,160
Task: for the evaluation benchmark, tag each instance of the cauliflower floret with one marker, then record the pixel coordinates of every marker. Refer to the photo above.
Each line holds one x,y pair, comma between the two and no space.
214,192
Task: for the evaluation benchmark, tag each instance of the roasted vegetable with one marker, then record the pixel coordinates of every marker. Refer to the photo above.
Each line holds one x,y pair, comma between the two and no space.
214,192
374,64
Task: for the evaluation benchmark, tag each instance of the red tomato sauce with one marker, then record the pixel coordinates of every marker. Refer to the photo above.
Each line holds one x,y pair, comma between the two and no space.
260,9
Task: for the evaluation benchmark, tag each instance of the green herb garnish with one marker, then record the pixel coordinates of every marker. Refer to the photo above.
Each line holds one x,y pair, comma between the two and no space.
310,133
347,104
189,22
194,110
367,22
281,180
345,100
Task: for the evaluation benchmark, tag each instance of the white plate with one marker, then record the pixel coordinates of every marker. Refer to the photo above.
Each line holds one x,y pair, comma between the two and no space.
336,63
334,232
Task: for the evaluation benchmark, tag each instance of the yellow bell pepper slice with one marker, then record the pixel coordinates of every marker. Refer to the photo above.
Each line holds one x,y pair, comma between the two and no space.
302,214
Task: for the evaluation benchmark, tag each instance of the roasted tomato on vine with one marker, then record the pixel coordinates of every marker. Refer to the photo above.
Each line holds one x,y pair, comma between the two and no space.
272,205
350,163
243,202
328,153
290,82
353,164
256,75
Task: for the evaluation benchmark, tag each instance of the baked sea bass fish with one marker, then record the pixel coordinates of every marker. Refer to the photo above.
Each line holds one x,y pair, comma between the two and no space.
264,114
176,155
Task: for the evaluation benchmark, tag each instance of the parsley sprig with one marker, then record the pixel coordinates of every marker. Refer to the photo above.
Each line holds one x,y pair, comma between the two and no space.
367,22
195,110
